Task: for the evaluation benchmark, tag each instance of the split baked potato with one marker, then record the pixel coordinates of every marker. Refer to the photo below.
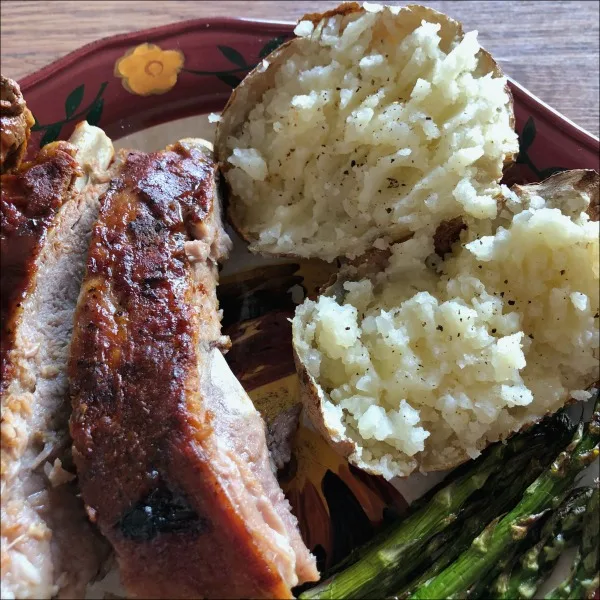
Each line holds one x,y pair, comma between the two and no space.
375,122
378,136
410,362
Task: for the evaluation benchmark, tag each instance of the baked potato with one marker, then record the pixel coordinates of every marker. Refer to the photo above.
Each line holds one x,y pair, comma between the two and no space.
373,123
410,362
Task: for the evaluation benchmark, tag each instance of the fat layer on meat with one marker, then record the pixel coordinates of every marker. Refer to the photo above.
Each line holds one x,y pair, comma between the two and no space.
170,451
48,547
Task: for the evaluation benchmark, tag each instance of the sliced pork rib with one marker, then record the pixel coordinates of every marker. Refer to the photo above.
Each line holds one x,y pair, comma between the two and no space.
15,125
47,209
171,453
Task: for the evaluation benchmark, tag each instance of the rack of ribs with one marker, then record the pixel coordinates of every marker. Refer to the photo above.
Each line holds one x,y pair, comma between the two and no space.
47,208
171,454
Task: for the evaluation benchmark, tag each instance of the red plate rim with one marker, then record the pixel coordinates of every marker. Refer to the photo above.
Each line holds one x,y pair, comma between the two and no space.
257,26
154,33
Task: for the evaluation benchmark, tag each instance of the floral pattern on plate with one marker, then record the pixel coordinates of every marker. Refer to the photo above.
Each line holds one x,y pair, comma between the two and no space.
147,69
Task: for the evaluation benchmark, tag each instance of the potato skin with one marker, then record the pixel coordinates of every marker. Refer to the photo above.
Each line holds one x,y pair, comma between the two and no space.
312,395
257,81
242,99
582,180
312,398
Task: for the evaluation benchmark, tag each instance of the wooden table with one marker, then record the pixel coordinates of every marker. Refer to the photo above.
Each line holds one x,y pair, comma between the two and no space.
549,47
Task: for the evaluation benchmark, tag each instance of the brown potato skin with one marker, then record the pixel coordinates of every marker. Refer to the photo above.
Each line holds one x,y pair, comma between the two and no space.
312,396
251,89
245,95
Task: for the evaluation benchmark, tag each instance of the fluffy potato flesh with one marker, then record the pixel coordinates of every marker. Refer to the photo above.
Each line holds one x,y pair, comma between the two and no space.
421,366
371,125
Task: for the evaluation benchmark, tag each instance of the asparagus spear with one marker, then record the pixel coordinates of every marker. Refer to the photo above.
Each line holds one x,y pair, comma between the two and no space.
481,588
587,578
502,493
380,567
522,581
584,578
385,565
562,591
545,493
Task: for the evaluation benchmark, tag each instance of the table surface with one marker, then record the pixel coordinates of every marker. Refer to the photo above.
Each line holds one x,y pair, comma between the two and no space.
550,47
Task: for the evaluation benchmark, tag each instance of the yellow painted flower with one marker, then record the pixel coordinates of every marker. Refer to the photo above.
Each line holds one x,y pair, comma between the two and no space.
147,69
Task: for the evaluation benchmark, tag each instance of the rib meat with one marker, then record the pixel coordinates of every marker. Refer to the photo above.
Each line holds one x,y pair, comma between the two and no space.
47,209
171,453
15,125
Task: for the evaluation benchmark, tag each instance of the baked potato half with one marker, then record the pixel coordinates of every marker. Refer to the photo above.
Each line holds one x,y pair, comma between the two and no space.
373,123
410,362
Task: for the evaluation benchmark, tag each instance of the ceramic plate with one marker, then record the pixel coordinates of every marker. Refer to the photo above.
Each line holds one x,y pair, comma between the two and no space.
149,88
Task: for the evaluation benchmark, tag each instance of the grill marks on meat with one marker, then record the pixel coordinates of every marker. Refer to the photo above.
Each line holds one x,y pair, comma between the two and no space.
15,125
134,336
47,545
170,451
160,511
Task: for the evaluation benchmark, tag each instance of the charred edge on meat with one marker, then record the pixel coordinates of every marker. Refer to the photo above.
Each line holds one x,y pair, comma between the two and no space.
161,511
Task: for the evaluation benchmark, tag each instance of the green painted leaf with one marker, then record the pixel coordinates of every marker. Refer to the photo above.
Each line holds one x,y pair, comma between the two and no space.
230,80
545,173
94,115
52,133
233,56
270,46
74,100
36,126
527,135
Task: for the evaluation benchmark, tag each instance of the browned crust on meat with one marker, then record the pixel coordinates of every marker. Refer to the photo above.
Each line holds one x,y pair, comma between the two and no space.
16,121
134,371
29,201
133,318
